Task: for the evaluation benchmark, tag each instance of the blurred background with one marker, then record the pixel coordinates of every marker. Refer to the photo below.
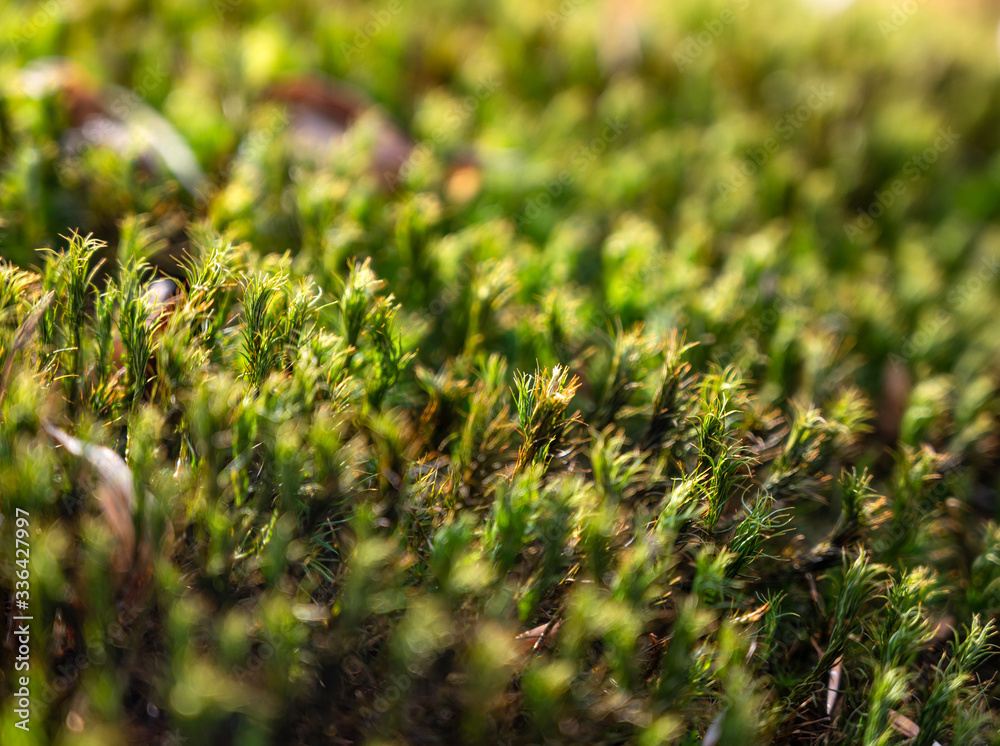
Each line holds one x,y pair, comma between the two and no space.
733,155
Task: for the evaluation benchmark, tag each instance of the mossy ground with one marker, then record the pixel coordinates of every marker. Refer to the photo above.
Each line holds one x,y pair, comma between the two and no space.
654,399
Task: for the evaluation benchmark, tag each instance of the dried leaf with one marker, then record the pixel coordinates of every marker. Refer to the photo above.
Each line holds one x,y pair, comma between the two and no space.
833,685
24,334
714,732
115,491
537,637
905,727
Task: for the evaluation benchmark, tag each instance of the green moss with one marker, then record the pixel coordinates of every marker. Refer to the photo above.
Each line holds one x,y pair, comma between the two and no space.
654,393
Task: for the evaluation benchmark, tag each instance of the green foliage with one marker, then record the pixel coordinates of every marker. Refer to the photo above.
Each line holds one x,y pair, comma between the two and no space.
542,399
134,325
568,431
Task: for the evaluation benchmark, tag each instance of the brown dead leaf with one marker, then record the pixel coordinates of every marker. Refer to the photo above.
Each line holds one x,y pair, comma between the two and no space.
904,726
896,386
464,182
321,113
